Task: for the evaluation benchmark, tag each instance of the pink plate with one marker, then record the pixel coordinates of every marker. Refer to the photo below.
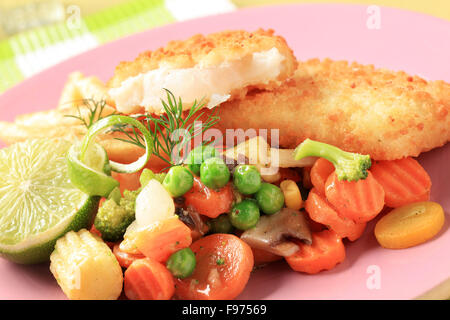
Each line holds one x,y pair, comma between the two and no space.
406,41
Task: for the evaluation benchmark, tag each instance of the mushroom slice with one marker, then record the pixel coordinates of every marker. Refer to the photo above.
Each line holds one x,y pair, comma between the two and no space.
272,233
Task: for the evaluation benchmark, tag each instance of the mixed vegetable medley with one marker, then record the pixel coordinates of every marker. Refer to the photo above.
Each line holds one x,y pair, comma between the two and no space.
198,229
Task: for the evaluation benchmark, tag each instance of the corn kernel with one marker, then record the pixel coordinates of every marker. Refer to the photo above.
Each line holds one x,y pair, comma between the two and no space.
292,195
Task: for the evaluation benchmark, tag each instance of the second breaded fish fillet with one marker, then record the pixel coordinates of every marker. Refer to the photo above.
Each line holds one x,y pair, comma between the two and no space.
217,67
388,115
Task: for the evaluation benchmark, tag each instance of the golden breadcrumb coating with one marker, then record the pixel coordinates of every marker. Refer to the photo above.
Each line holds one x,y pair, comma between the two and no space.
386,114
209,50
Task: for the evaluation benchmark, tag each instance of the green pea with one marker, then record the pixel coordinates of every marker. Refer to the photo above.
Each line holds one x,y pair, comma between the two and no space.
198,155
247,179
221,224
214,173
245,214
270,198
182,263
178,181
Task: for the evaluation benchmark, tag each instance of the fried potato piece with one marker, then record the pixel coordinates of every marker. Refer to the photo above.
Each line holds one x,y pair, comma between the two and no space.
78,88
386,114
219,67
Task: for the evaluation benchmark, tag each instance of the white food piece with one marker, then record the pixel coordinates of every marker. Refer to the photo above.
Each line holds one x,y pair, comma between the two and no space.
213,83
153,204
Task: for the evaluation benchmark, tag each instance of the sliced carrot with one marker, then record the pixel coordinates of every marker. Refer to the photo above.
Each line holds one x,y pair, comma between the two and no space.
410,225
224,263
262,257
125,259
313,225
147,279
163,238
321,211
358,200
320,172
404,181
326,251
209,202
128,181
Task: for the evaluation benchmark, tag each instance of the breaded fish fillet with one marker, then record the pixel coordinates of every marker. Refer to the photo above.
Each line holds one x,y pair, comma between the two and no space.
388,115
217,67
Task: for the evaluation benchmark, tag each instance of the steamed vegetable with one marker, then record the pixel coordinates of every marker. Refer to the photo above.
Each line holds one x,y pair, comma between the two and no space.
292,196
349,166
245,214
198,155
247,179
404,181
410,225
209,202
178,181
113,219
214,173
181,263
159,240
85,267
321,211
147,279
221,224
358,200
270,198
224,263
326,251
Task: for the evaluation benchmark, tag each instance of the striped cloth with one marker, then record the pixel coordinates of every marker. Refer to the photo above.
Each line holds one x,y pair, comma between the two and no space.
29,52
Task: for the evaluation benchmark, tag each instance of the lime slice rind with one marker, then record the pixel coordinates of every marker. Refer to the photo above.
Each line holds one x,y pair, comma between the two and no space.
113,120
38,248
89,176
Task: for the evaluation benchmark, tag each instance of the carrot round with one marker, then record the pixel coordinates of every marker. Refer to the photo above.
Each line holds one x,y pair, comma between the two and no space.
209,202
125,259
163,238
326,251
321,211
147,279
320,172
224,263
358,200
410,225
404,181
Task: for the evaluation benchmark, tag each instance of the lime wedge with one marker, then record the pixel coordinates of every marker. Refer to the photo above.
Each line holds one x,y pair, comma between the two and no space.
38,203
93,175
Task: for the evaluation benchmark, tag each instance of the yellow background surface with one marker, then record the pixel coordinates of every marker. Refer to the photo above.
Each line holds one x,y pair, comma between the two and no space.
438,8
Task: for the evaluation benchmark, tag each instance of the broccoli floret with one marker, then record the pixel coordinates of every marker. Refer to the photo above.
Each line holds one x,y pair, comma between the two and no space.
113,219
349,166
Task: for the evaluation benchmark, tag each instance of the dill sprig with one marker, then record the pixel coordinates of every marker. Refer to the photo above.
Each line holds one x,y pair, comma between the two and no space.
95,111
172,132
